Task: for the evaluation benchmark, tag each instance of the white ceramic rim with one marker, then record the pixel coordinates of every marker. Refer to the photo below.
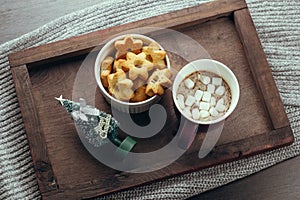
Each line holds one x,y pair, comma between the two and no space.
198,65
97,69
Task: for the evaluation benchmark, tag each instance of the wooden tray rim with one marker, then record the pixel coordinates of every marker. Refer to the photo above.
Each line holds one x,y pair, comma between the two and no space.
20,61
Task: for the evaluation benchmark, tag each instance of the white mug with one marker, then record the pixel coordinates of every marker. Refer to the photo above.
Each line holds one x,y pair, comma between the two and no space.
190,125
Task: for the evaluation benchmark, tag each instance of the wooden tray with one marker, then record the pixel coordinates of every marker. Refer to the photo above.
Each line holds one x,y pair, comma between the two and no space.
65,169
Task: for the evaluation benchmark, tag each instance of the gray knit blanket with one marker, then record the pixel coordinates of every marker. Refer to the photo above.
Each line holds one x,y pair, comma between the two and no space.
278,26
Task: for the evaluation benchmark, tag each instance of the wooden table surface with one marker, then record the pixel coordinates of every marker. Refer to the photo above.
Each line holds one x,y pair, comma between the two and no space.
281,181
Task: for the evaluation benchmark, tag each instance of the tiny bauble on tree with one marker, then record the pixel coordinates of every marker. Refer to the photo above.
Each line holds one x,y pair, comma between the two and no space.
97,126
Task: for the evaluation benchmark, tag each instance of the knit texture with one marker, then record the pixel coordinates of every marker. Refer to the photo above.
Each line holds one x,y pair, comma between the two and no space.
278,26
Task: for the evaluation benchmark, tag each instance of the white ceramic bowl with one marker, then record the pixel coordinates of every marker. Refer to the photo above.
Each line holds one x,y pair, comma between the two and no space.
214,67
131,107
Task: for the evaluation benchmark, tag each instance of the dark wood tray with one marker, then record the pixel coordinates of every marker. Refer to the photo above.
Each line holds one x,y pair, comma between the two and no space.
65,169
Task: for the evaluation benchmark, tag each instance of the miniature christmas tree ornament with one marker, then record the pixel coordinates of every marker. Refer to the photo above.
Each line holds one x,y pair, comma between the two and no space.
97,126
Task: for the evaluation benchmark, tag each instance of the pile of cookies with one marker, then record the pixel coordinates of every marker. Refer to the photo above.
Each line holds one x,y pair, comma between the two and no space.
136,72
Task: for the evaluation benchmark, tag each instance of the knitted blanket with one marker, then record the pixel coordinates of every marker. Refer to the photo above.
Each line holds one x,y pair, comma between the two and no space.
278,26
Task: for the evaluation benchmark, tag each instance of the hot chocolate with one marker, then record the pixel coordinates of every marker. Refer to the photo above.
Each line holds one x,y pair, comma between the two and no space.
203,96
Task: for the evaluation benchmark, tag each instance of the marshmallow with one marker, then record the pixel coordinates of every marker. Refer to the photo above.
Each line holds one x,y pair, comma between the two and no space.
217,81
189,83
204,114
213,112
220,107
182,90
204,79
213,101
198,95
195,113
204,106
211,88
220,101
190,100
220,90
180,101
206,96
187,111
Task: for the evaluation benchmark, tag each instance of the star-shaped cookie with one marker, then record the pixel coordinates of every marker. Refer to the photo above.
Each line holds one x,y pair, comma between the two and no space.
138,65
157,81
126,45
120,86
156,55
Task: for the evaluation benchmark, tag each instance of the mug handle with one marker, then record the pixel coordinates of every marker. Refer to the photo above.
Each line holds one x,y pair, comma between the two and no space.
187,133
